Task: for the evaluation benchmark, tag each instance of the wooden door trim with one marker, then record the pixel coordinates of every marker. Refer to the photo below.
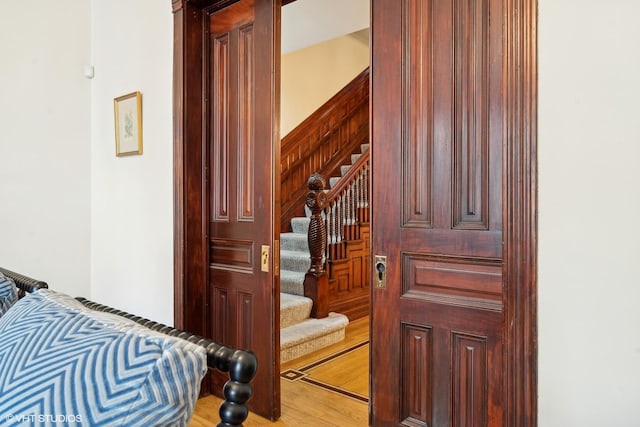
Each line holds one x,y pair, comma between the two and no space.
520,214
191,227
188,157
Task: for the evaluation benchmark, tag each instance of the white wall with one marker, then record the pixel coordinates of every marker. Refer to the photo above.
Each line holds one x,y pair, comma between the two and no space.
310,76
309,22
132,197
589,235
45,142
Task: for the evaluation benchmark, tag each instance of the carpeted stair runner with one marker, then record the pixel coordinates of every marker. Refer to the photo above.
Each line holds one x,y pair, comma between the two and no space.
299,334
311,335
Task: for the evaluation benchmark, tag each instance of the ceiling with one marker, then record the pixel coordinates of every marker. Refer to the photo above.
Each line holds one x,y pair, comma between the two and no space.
308,22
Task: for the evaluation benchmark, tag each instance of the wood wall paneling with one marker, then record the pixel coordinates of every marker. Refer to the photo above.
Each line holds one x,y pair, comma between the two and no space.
339,282
322,143
349,279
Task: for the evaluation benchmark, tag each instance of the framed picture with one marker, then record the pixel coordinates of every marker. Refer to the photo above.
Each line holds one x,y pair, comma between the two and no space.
128,119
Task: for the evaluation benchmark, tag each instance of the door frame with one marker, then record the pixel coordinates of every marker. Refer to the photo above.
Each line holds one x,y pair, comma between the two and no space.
188,155
520,220
190,163
519,197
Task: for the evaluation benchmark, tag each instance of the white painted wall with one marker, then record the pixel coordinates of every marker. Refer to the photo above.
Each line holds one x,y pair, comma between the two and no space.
310,76
132,197
45,142
308,22
589,247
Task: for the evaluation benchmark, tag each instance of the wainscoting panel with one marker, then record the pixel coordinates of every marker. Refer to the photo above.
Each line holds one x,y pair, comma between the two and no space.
417,380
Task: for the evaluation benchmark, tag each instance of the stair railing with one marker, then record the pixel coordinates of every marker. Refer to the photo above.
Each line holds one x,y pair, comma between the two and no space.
336,216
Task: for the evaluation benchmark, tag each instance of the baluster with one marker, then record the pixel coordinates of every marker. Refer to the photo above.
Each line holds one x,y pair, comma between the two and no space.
338,226
340,203
352,213
327,253
348,221
364,194
327,226
355,202
366,191
352,201
356,185
360,197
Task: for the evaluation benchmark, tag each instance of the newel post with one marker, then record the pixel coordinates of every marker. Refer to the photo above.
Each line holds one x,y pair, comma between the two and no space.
316,281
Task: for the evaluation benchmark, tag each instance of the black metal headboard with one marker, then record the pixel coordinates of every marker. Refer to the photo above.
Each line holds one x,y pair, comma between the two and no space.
24,283
241,365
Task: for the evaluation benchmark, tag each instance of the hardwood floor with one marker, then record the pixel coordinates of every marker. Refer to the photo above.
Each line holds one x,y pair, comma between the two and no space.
328,388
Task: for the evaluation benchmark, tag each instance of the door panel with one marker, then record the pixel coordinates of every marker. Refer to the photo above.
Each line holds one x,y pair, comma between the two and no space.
234,234
241,114
437,134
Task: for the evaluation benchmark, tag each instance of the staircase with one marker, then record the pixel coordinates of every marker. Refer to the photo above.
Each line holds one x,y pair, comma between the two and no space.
300,334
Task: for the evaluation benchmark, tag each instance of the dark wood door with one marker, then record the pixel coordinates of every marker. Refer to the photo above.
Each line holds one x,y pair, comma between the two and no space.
439,111
228,157
241,168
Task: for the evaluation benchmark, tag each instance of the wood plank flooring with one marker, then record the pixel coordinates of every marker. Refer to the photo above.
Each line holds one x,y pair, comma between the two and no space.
343,373
307,398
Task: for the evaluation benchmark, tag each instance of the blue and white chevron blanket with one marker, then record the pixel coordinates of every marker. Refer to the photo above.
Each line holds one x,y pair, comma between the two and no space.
8,294
62,364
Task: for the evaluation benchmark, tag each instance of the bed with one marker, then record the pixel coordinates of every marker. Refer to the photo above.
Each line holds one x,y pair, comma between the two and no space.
71,361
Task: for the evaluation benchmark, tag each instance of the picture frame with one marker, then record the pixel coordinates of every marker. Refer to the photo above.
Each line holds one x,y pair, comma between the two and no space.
128,124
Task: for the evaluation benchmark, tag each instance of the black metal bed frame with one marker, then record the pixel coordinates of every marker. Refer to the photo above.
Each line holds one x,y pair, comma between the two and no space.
239,364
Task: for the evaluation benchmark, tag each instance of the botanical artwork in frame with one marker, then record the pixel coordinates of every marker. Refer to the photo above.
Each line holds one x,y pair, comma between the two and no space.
128,120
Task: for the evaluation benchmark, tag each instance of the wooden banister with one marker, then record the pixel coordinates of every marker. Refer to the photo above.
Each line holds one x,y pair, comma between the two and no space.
322,143
336,218
316,283
357,169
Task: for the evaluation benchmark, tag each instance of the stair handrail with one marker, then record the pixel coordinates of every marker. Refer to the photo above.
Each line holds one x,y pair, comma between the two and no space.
347,179
346,206
335,217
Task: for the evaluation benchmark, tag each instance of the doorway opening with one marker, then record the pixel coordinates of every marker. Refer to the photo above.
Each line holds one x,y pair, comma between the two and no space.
322,57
